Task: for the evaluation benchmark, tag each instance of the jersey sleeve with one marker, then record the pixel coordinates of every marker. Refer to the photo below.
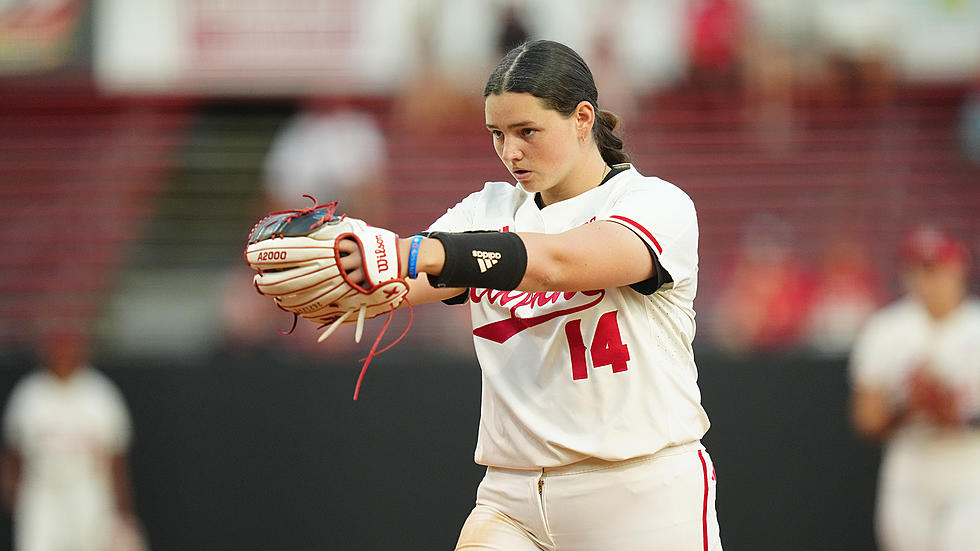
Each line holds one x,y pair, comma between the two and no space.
13,416
119,426
481,210
870,361
664,217
458,218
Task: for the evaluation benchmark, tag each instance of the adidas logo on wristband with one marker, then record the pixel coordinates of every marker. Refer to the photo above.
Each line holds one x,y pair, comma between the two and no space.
486,259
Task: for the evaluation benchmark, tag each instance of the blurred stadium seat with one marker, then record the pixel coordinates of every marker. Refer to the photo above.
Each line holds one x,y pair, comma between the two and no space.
80,172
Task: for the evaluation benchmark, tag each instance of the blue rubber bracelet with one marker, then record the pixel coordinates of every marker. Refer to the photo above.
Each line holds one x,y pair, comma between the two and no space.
413,257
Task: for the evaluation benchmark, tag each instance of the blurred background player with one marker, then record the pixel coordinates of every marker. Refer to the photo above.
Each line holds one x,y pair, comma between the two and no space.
916,376
64,472
333,150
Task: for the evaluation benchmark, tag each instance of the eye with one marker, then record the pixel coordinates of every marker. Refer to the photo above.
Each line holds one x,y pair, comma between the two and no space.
497,134
528,132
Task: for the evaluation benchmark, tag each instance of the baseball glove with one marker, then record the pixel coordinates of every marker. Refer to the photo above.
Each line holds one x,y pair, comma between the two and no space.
298,262
296,255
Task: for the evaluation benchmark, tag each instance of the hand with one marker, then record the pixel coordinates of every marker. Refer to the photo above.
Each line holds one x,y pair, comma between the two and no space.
932,398
325,268
351,260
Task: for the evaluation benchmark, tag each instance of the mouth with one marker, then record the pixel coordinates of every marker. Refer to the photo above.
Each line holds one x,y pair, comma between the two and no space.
521,174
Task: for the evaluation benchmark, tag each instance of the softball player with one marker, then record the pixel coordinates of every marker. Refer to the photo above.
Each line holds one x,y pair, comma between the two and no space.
916,378
66,432
580,280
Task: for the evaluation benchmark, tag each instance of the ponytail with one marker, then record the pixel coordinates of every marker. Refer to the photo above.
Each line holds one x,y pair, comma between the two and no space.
610,145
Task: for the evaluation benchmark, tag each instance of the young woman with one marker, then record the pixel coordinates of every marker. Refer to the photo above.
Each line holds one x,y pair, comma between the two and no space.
580,280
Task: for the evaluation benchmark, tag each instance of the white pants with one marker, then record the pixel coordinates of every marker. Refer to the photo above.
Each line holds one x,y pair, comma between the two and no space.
62,521
929,495
660,502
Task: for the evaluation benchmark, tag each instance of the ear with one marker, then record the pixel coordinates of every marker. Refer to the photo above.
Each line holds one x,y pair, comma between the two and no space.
584,116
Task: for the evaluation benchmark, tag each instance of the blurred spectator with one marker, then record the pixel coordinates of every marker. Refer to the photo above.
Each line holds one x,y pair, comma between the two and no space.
915,373
612,79
856,41
939,40
846,291
767,291
716,38
969,123
777,63
65,474
641,41
513,31
333,151
452,47
648,40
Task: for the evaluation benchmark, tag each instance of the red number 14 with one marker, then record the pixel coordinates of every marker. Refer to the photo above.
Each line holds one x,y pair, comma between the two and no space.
607,346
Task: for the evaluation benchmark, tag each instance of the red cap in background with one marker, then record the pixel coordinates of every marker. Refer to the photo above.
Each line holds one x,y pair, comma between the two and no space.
930,245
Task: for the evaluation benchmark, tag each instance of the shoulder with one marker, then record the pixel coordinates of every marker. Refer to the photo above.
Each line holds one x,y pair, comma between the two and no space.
97,381
891,316
971,309
652,202
30,383
498,192
972,304
494,199
30,388
634,185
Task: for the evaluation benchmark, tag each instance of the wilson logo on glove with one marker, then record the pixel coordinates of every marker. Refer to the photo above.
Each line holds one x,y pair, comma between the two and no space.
310,282
380,251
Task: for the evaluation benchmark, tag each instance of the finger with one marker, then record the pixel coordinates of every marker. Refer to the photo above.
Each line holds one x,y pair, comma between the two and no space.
356,276
350,263
347,246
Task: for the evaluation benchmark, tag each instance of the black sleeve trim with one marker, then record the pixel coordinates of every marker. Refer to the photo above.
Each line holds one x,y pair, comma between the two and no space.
660,277
458,299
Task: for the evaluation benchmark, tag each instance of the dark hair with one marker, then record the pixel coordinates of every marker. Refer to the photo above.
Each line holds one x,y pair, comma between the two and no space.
556,74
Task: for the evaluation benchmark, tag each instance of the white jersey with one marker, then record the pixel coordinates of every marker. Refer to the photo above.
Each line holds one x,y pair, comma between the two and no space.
607,373
903,337
66,432
930,476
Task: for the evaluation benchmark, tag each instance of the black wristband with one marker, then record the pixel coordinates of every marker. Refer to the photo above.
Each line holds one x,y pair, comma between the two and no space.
485,259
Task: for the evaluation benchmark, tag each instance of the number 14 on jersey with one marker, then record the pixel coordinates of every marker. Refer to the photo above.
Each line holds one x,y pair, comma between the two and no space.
607,346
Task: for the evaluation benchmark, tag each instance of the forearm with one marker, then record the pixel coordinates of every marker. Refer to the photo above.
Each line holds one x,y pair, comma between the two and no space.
594,256
10,473
121,486
431,257
873,416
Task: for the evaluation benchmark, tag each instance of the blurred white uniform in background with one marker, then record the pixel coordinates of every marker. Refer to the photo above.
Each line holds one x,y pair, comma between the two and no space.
67,432
929,496
916,368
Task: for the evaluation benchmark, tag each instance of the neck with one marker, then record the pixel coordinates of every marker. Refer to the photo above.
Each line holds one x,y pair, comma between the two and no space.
940,310
587,175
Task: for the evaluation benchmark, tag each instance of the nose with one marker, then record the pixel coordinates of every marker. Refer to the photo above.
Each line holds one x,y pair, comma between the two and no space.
511,151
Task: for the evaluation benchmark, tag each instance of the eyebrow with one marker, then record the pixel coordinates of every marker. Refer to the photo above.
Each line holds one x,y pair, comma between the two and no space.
515,125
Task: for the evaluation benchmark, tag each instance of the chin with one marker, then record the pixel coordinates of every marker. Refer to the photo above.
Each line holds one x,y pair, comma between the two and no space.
535,185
